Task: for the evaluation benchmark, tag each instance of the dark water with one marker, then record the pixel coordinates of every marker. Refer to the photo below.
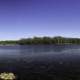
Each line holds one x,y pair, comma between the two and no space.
41,62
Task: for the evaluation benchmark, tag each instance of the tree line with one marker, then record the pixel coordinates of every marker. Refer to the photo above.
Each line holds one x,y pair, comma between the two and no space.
42,40
49,40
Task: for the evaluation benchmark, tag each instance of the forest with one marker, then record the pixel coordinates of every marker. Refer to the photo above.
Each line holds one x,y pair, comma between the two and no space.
42,40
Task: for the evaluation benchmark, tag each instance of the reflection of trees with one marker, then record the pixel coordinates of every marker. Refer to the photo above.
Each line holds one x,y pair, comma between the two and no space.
36,49
58,48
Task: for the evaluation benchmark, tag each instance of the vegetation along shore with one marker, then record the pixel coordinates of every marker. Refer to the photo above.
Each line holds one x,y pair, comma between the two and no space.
41,40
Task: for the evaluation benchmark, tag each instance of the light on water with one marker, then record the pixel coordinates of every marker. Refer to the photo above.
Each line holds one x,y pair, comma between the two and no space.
7,76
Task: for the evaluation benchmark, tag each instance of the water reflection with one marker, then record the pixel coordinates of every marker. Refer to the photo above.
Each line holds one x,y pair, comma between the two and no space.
41,62
34,49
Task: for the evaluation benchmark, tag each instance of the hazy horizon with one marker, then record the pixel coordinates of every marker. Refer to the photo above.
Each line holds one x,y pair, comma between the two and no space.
29,18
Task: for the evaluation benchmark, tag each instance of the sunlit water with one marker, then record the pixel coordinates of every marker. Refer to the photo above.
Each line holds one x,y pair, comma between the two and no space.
41,62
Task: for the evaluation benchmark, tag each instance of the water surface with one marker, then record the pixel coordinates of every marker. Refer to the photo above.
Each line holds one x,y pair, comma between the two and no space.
41,62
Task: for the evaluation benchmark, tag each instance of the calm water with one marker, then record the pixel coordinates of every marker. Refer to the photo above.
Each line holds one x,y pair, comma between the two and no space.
41,62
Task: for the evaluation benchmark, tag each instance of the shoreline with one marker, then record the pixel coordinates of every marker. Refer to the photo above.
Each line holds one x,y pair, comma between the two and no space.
9,45
36,44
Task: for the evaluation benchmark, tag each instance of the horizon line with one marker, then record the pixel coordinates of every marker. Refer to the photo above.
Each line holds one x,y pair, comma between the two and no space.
36,36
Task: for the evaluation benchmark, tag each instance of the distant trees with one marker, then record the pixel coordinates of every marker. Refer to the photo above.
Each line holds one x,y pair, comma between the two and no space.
49,40
25,41
42,40
9,42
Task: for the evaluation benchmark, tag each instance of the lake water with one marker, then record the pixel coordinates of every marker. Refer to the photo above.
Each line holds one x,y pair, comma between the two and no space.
41,62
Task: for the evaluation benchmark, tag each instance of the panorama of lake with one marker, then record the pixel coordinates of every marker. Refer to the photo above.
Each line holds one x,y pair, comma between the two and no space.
41,62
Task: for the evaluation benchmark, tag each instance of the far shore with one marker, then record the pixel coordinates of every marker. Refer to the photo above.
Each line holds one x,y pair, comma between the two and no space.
9,45
36,44
57,40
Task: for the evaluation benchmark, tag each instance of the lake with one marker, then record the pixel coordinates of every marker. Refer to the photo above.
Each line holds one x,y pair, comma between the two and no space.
41,62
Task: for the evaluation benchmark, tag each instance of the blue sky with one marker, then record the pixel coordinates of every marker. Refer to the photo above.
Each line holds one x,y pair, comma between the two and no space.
28,18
